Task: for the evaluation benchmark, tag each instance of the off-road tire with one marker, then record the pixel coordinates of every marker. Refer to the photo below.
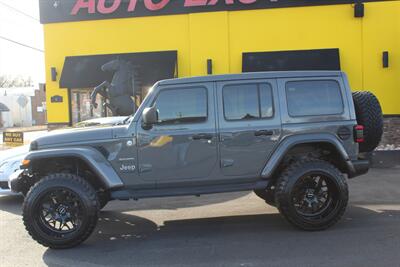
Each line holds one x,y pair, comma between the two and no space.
286,183
369,114
87,196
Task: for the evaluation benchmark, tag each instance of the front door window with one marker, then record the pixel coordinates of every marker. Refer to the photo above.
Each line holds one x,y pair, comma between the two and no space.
177,106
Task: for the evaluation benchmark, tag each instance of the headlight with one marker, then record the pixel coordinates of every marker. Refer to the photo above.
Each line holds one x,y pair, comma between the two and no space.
10,166
3,166
16,165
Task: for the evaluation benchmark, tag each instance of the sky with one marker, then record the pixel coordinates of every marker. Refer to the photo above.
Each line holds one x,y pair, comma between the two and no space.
16,60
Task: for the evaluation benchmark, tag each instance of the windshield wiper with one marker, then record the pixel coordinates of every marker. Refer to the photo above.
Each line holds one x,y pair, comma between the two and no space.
126,120
183,120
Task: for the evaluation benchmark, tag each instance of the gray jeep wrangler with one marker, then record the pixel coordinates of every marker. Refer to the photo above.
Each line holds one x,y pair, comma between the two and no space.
292,137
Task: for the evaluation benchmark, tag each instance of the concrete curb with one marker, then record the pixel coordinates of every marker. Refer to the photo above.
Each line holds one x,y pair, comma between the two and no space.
386,159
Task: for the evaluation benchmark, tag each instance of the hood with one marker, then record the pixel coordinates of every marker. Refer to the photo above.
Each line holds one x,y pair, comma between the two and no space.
74,136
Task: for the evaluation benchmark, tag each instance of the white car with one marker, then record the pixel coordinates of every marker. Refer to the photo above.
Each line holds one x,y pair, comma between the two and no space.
10,160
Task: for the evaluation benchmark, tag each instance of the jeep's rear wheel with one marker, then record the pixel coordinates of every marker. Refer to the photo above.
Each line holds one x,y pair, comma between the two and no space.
61,211
312,194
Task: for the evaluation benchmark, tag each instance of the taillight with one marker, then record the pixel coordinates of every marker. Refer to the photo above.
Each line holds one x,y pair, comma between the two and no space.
359,133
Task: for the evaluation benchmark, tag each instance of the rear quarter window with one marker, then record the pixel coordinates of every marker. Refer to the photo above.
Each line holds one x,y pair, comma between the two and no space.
313,98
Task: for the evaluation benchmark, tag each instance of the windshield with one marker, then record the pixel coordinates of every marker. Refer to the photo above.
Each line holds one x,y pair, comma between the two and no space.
143,102
111,121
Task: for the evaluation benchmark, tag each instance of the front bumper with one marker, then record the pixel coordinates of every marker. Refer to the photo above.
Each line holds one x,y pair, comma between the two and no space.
360,167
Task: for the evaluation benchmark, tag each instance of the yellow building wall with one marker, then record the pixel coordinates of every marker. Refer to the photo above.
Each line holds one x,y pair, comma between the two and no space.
209,40
296,29
381,32
224,36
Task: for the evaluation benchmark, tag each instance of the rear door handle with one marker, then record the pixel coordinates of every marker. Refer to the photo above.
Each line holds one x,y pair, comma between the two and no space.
263,133
202,136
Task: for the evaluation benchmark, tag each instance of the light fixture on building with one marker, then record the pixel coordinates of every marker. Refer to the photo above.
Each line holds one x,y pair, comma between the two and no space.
54,74
359,10
385,59
209,67
56,99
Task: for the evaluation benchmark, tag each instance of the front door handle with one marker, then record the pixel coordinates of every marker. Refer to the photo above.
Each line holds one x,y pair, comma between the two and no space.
202,136
264,133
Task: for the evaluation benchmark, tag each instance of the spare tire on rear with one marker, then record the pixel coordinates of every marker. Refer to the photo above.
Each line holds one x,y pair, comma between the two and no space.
369,114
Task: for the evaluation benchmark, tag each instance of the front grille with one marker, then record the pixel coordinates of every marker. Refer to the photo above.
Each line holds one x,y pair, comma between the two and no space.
4,185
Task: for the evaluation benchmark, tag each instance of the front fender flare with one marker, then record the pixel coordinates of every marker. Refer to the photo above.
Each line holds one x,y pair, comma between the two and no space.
92,157
291,141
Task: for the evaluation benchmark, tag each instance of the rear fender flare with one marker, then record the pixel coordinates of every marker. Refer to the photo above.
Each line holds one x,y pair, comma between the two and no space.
291,141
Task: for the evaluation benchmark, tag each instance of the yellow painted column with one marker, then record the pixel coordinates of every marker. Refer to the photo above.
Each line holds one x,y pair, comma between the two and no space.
209,40
381,32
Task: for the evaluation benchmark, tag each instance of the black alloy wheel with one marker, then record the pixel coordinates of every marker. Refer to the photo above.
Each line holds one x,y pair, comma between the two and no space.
61,210
312,194
315,195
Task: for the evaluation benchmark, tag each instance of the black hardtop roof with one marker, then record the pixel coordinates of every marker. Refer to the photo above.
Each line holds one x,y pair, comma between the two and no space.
252,75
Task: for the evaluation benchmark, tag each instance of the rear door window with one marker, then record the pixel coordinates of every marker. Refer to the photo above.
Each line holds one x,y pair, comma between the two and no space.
248,101
313,98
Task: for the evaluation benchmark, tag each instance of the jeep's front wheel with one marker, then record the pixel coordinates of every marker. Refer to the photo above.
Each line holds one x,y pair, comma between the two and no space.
61,211
312,194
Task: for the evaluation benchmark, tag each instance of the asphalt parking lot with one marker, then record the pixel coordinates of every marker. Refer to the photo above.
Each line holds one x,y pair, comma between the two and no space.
235,229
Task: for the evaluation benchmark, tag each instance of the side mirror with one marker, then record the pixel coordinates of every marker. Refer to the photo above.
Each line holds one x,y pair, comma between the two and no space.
150,117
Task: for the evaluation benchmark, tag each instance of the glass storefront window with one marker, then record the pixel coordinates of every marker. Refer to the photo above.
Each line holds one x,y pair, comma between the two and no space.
81,107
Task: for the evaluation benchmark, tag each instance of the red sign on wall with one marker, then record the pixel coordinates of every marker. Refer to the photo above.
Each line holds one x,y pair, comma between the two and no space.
52,11
109,7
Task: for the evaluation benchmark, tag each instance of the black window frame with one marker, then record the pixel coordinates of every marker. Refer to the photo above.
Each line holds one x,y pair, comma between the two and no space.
182,88
316,115
258,98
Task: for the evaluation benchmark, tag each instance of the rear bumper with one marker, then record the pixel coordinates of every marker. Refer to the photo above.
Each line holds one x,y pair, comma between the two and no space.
360,167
